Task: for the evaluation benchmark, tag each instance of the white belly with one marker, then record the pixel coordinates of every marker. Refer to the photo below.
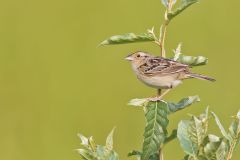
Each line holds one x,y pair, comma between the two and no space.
163,82
160,82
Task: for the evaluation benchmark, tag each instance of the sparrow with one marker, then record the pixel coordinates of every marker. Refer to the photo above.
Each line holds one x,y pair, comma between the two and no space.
159,72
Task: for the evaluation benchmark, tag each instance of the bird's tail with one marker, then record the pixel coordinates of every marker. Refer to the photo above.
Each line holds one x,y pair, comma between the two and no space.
200,76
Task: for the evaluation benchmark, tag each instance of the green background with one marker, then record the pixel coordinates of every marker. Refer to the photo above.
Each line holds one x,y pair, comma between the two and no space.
55,82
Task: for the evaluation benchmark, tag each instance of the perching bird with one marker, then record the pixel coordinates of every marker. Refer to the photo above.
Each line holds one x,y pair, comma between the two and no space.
161,73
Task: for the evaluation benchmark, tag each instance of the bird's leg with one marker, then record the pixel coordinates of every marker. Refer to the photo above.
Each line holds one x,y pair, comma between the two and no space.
160,95
156,97
159,91
164,93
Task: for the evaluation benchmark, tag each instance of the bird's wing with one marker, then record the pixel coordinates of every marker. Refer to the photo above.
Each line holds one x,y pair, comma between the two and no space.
162,66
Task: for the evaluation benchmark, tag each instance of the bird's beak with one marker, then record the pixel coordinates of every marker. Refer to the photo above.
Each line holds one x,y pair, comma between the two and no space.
129,58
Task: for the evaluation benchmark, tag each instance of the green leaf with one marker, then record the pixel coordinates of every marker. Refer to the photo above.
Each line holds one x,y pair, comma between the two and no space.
188,157
112,156
232,137
154,157
185,140
220,126
234,129
100,151
138,102
184,5
174,1
191,60
104,154
165,3
92,144
85,154
221,153
135,153
177,52
91,151
201,157
171,137
215,148
211,147
84,140
109,140
210,138
191,133
128,38
204,118
185,102
156,128
197,131
234,133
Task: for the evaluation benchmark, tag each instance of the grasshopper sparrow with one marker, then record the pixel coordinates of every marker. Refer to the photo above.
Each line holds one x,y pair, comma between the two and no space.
161,73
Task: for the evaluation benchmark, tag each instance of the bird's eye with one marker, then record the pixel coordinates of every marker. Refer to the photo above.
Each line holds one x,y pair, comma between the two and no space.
138,55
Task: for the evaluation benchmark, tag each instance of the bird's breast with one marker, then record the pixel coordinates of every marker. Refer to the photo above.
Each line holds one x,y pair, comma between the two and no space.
160,82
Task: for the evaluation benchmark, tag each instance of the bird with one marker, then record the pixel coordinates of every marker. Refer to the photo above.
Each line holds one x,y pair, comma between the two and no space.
161,73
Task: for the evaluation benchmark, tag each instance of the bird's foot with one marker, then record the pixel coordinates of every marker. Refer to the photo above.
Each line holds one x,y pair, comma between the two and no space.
155,99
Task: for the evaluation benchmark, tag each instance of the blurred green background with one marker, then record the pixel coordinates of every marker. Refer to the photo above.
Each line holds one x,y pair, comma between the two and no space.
55,82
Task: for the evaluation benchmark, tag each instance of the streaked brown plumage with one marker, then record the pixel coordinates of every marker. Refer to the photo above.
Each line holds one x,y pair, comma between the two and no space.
161,73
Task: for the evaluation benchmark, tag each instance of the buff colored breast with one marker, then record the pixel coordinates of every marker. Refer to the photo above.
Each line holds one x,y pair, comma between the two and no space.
163,82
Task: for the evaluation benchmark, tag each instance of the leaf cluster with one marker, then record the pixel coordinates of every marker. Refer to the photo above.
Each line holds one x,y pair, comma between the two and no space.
150,35
199,145
155,133
92,151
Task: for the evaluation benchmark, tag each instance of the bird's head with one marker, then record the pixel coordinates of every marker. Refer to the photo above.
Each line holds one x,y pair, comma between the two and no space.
137,57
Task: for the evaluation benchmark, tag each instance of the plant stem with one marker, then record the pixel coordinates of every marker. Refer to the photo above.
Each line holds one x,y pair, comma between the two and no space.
229,156
162,40
163,32
232,146
161,154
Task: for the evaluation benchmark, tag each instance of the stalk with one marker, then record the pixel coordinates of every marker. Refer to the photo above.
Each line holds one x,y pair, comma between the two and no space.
162,37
